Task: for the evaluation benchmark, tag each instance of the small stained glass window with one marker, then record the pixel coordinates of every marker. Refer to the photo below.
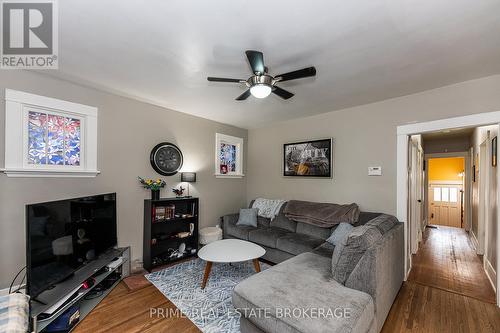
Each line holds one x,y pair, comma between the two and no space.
53,139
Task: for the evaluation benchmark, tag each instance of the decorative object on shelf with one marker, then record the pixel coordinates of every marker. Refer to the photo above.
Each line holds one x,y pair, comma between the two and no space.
166,159
178,191
494,152
167,223
188,177
308,159
182,248
153,185
228,156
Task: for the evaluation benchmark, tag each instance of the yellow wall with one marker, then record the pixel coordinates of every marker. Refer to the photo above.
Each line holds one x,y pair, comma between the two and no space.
446,168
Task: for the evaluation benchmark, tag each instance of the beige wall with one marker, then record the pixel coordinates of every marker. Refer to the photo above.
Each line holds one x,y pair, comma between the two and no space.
478,137
127,131
363,136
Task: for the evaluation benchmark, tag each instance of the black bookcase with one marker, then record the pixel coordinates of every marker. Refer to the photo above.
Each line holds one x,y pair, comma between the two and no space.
167,224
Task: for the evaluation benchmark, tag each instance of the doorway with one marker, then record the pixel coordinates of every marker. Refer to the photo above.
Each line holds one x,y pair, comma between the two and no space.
446,195
404,210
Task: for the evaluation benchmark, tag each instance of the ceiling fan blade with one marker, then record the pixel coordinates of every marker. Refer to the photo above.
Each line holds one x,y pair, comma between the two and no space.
223,79
298,74
256,60
282,93
243,96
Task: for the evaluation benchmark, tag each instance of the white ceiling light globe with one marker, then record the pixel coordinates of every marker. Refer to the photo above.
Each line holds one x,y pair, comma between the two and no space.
260,90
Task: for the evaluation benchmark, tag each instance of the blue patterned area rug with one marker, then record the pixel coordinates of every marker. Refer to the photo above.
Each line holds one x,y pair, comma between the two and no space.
210,309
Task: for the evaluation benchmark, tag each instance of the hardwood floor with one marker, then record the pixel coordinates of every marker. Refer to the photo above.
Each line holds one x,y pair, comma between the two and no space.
446,292
446,259
420,308
129,311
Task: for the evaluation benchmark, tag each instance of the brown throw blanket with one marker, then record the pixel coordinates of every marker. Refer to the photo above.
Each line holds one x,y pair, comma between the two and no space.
324,215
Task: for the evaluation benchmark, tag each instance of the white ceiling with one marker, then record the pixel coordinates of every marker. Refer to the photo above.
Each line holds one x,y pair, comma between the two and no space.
364,51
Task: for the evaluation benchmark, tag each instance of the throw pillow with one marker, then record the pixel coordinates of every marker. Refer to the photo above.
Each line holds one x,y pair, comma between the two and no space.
342,230
248,216
349,251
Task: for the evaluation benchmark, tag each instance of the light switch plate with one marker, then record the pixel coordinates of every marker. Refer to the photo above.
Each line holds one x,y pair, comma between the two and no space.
375,171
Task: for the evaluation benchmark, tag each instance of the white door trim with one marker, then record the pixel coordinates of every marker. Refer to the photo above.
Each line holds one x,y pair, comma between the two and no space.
403,132
484,194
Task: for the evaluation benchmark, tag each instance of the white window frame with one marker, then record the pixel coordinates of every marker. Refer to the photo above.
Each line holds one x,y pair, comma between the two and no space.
17,106
232,140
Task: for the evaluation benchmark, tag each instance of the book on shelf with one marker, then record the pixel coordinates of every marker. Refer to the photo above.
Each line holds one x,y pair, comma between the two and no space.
164,213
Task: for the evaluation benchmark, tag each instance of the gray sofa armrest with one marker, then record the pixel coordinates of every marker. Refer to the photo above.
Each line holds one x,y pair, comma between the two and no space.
380,272
228,219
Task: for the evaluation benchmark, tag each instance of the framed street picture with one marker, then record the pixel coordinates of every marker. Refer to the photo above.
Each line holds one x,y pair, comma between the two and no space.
228,156
308,159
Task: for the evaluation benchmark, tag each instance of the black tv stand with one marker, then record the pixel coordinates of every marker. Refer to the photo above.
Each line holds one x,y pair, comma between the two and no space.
38,301
68,289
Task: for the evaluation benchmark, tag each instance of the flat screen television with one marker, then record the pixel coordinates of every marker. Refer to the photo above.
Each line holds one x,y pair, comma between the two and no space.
65,235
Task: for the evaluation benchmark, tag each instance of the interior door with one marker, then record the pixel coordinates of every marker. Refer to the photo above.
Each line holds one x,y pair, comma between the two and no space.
445,205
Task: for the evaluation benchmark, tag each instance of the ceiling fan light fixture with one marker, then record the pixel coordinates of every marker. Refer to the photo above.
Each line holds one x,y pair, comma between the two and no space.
260,90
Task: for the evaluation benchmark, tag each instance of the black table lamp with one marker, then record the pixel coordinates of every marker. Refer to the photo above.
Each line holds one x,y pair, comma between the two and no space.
188,177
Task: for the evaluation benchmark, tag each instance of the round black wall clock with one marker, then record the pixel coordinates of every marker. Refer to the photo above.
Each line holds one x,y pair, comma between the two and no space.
166,158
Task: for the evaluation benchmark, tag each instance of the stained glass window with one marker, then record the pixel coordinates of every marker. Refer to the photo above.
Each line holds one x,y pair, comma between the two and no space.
227,158
53,139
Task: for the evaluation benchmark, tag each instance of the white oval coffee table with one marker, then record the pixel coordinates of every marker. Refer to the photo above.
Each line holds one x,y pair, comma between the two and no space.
229,251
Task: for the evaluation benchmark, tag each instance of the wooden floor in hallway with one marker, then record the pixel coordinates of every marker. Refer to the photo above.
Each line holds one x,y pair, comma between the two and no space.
447,290
447,260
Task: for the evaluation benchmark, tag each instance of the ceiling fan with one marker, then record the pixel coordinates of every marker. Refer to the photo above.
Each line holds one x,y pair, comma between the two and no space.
261,84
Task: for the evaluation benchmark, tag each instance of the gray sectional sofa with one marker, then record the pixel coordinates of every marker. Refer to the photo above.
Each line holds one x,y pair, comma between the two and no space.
300,293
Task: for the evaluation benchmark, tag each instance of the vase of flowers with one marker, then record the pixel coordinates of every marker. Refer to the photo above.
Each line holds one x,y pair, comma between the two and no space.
153,185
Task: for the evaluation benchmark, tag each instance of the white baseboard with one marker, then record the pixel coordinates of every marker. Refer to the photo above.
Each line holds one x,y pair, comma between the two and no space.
490,273
475,242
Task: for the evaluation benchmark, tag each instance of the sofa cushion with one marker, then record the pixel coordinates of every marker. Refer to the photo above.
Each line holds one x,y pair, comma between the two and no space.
281,221
325,250
239,231
248,216
266,236
301,283
295,243
383,222
263,222
275,256
312,230
339,233
350,250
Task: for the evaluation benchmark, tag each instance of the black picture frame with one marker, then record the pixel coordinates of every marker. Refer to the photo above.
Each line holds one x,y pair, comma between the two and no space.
494,152
319,164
